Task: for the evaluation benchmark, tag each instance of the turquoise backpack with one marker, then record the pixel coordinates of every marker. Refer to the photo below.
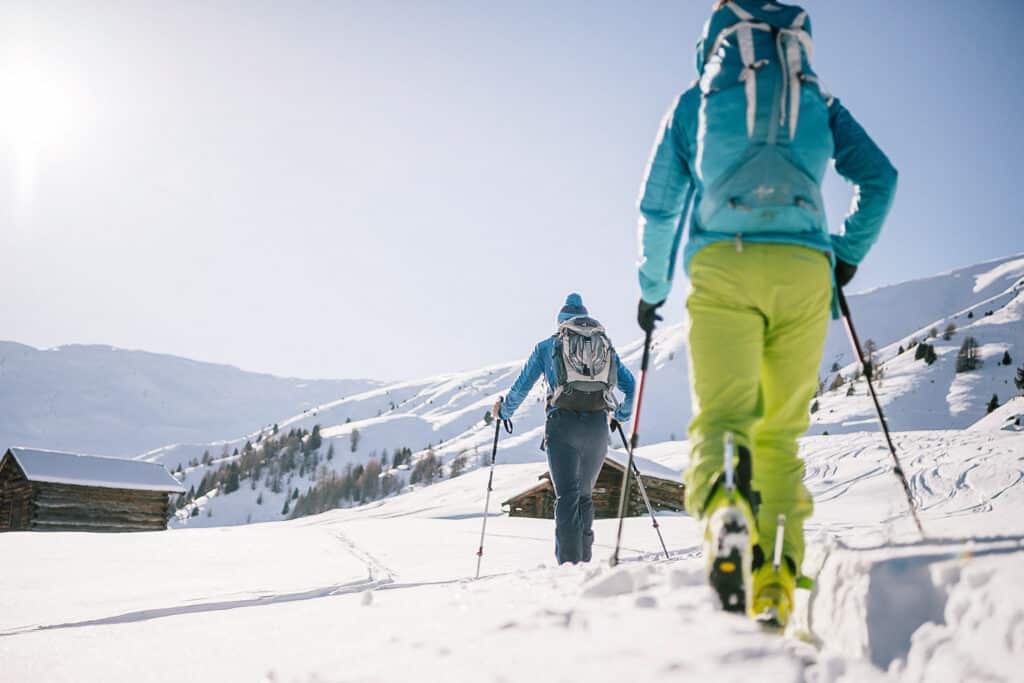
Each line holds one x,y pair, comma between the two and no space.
763,142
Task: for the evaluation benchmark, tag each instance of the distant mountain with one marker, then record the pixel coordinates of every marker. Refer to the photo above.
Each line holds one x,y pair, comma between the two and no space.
444,414
108,401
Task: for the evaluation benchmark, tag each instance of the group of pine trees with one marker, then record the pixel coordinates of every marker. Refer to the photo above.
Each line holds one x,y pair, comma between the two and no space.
360,484
274,462
355,484
968,359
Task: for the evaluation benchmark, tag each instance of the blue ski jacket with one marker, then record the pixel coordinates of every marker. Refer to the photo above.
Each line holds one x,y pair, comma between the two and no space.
542,360
670,184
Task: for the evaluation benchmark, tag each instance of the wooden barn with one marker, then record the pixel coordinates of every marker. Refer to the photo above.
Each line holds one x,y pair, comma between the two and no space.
54,491
664,487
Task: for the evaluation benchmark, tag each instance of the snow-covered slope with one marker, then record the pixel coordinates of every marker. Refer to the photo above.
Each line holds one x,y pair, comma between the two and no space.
108,401
916,395
445,413
383,592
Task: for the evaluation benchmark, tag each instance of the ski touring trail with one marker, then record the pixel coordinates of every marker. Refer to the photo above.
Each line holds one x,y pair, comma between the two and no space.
375,592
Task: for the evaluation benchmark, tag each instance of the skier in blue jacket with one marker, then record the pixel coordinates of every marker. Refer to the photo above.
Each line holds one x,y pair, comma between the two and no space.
576,440
746,148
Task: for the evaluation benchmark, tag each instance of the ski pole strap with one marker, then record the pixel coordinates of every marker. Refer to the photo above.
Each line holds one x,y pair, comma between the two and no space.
507,424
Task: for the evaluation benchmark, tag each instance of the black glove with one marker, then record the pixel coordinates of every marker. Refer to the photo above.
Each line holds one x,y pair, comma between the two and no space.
844,273
647,315
613,424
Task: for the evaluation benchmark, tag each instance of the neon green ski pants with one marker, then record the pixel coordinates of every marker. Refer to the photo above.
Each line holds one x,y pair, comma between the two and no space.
758,317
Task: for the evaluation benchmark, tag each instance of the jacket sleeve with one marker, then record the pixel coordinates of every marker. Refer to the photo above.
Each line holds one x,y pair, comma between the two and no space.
627,385
860,161
664,195
529,375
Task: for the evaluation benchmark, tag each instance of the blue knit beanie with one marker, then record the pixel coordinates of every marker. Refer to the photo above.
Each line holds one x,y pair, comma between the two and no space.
572,308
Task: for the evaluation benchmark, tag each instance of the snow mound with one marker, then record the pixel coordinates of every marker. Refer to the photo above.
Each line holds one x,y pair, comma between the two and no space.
1008,417
925,611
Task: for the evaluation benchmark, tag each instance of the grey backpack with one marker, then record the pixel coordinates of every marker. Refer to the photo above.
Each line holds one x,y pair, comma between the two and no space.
585,366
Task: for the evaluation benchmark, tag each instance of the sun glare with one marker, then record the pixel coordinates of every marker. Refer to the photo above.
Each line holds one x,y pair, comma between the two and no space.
36,118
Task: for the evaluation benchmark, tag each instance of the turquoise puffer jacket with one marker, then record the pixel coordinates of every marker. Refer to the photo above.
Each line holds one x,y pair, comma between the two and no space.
672,181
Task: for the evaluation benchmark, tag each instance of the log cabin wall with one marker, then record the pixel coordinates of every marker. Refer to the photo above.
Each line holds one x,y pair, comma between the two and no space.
62,507
15,496
665,496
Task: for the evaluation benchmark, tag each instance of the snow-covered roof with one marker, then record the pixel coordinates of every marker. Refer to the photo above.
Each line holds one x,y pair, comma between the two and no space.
648,468
57,467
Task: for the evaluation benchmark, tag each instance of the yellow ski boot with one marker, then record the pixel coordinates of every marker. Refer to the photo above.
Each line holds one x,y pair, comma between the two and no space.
730,531
774,584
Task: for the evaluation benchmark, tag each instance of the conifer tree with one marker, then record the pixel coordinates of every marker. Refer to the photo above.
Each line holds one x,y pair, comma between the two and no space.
284,510
1006,358
992,404
814,409
1019,380
458,465
967,358
330,452
929,355
232,483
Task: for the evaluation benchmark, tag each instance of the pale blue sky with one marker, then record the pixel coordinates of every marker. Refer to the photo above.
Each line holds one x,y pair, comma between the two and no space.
393,189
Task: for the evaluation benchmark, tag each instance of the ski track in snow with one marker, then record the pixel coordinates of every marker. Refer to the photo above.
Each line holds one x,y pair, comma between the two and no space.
886,605
383,591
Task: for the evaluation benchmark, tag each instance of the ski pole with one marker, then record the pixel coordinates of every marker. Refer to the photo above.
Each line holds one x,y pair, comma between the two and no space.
634,439
498,423
868,370
643,490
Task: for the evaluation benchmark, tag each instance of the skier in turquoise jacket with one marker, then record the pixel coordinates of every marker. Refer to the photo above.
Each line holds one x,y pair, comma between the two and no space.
576,441
746,148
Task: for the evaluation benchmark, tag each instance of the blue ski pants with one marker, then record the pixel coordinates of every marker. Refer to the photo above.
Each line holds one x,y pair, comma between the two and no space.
577,444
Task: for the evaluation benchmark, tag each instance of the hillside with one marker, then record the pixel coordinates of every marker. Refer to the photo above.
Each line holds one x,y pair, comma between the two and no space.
378,591
108,401
444,414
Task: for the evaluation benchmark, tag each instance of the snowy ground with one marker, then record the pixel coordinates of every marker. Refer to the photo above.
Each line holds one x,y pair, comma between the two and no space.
384,592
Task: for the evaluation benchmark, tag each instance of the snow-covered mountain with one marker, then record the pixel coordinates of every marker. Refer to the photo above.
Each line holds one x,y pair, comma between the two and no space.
382,591
445,413
99,399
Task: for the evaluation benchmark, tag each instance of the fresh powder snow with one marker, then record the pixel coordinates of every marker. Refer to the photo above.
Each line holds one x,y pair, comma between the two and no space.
384,590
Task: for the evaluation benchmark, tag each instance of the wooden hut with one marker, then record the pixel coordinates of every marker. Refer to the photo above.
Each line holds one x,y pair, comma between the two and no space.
54,491
664,488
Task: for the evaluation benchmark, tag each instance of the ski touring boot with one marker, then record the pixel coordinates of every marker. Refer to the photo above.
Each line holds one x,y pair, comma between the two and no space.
773,585
730,531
